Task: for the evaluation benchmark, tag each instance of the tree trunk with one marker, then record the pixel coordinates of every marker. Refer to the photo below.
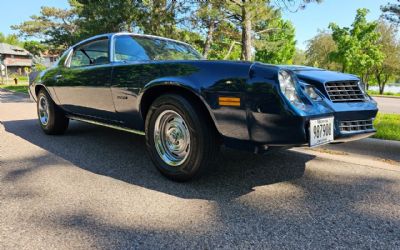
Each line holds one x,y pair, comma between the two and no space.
379,81
210,33
246,35
365,80
385,80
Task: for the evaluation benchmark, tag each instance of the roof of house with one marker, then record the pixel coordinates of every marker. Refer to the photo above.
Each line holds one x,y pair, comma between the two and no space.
9,49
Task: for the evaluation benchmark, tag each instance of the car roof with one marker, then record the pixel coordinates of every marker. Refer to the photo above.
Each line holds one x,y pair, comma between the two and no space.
110,35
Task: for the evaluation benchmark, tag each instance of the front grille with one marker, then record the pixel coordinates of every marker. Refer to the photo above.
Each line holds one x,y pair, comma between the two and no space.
344,91
356,126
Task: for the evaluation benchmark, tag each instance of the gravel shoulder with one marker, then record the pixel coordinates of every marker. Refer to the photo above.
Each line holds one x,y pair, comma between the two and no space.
95,188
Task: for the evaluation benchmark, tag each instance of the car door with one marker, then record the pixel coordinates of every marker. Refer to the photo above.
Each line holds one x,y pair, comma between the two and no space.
138,61
83,84
131,71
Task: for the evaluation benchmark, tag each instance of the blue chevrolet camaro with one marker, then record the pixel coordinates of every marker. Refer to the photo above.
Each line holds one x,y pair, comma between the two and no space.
187,106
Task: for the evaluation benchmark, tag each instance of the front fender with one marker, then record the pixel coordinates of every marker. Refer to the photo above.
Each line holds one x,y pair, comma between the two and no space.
172,85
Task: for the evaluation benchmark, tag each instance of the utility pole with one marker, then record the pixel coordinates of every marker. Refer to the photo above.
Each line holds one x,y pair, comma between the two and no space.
2,68
6,74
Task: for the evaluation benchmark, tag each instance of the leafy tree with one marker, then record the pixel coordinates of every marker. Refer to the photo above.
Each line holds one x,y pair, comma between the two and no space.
105,16
276,44
162,17
299,57
209,14
57,27
226,43
318,50
391,12
35,47
390,47
357,48
246,14
10,39
39,67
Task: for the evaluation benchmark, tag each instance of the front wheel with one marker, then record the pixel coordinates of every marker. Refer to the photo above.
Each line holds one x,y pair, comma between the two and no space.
51,118
179,138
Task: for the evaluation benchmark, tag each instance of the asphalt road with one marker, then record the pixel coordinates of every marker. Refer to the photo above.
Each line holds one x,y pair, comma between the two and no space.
388,105
95,188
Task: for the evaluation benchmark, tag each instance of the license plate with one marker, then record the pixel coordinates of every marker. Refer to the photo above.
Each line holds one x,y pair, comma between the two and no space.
321,131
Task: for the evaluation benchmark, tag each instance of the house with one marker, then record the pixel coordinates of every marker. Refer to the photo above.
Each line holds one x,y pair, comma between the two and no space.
15,59
48,59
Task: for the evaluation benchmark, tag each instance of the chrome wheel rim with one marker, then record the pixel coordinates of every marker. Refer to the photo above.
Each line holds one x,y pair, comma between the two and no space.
171,138
43,110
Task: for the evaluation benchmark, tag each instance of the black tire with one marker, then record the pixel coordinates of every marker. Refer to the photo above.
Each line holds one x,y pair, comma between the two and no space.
57,122
203,138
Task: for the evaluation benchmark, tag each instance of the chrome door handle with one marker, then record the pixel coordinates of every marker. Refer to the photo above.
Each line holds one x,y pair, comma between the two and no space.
58,77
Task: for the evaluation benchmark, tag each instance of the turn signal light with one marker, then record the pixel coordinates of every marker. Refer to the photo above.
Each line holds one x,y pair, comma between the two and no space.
229,101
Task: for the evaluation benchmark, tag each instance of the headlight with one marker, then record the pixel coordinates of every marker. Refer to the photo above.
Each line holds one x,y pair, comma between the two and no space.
288,88
310,91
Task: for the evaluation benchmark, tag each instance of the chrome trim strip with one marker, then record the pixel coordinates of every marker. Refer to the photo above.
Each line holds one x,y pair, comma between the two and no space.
354,137
138,132
357,131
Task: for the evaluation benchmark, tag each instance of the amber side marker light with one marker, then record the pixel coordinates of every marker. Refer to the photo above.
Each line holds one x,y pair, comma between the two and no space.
229,101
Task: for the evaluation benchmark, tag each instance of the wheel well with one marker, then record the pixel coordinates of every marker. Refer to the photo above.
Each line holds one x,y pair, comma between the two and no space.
155,92
38,88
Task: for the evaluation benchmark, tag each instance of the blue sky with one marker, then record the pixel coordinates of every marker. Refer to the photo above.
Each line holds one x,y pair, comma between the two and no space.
307,22
318,16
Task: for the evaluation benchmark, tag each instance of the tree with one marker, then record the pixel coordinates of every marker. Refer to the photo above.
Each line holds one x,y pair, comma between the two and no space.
10,39
163,17
318,50
247,13
275,43
56,27
391,12
209,14
390,47
299,57
35,47
357,48
105,16
226,42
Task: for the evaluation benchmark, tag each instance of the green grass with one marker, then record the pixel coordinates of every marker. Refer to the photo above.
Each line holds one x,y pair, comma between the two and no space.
374,92
20,88
387,126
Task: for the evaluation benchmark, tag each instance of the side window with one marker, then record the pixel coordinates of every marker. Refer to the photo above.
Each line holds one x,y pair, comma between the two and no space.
127,49
92,53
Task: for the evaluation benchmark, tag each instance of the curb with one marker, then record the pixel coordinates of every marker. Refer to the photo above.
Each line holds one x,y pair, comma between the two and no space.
385,149
386,96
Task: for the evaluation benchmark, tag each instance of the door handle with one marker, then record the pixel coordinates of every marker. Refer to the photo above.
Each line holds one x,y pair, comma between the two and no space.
57,77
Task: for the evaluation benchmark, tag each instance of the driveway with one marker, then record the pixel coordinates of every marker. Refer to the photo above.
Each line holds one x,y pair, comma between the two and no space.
95,188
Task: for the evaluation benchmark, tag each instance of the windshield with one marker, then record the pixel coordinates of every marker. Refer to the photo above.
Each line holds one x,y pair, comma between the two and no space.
137,48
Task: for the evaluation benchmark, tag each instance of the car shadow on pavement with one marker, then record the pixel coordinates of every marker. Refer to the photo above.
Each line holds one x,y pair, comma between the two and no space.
326,208
123,156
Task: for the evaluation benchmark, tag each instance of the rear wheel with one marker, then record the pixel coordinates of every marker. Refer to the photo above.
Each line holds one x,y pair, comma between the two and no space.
179,138
51,118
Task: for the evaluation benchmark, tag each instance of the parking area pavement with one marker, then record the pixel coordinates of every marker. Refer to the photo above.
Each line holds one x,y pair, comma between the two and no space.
96,188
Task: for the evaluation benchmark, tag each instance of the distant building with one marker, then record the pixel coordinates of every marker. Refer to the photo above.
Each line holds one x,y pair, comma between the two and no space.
16,59
48,59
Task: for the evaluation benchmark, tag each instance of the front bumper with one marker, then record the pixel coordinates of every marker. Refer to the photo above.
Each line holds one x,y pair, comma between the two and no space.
354,136
291,130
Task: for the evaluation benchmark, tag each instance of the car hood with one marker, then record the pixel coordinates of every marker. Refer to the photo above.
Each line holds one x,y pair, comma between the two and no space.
319,75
